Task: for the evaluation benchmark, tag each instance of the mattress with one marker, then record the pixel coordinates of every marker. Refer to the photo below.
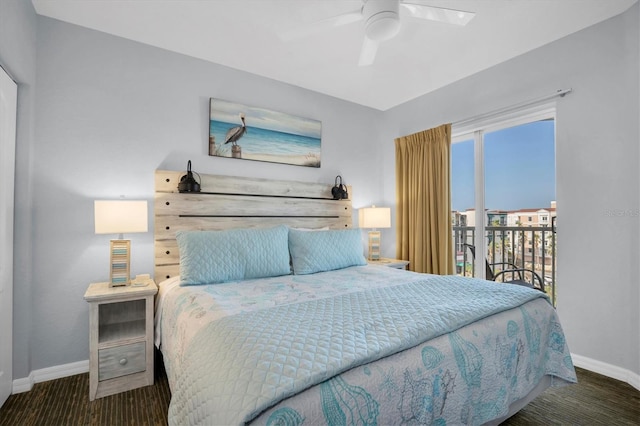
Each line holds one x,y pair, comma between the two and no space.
369,344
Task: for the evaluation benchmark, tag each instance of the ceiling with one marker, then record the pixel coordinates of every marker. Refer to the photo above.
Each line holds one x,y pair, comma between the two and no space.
424,56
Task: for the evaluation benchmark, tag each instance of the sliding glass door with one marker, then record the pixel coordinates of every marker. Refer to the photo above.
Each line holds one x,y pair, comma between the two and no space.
463,204
503,198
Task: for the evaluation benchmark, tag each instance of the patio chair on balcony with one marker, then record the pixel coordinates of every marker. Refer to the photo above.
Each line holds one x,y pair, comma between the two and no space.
512,271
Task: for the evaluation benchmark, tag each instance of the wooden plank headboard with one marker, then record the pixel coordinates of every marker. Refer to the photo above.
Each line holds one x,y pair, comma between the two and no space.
227,202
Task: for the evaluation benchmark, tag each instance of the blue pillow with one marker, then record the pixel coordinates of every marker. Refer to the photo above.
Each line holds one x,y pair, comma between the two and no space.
313,252
211,257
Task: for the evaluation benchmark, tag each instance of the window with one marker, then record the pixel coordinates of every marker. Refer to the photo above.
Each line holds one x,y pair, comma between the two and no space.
503,167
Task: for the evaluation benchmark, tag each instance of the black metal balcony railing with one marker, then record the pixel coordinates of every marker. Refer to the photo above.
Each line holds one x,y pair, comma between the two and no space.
532,248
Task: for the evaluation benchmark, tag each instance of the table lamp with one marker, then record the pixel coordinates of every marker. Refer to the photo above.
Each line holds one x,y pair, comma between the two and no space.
120,217
374,217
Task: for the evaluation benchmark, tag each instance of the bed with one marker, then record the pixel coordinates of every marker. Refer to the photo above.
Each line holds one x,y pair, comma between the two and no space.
336,341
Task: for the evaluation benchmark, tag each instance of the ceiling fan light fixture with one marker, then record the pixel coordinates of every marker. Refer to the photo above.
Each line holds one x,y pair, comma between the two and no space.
382,26
381,19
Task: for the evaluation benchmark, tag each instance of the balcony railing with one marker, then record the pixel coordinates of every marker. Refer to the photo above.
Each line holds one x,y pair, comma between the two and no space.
532,248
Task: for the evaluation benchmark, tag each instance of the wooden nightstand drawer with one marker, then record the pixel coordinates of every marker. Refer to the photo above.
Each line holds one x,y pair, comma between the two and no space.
121,360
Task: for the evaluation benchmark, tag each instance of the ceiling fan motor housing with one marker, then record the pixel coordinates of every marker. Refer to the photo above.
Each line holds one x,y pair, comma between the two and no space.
382,19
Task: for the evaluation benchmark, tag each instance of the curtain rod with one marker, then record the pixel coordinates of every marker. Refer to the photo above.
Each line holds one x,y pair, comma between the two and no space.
558,93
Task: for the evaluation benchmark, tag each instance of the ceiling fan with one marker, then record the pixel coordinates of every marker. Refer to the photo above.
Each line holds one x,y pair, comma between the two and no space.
381,22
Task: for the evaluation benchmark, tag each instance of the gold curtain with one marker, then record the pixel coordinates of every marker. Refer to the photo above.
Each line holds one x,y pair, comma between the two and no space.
423,193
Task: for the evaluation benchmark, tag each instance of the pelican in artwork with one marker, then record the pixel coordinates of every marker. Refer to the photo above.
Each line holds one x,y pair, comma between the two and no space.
236,133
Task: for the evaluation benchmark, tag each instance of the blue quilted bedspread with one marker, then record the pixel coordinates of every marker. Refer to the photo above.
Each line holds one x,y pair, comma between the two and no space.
241,365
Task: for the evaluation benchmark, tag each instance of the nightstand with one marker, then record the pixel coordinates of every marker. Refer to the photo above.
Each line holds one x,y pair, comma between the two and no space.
391,263
120,338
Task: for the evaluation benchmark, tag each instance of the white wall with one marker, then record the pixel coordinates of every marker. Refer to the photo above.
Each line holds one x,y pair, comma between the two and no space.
109,113
597,151
18,57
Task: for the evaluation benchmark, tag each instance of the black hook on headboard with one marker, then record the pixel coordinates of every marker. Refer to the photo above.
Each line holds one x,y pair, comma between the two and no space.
187,182
339,191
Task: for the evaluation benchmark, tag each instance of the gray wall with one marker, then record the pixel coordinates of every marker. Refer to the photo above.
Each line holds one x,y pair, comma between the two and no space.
597,171
18,58
109,112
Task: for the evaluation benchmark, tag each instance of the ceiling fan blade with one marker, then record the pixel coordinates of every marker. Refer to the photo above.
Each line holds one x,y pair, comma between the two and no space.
368,52
451,16
320,26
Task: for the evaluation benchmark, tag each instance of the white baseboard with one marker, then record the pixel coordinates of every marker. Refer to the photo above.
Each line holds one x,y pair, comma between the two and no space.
23,385
50,373
608,370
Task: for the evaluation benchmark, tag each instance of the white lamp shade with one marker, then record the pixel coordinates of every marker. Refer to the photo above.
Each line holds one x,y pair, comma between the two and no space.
374,217
120,216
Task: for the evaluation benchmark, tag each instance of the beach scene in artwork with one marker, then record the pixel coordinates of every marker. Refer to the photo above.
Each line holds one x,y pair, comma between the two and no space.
250,133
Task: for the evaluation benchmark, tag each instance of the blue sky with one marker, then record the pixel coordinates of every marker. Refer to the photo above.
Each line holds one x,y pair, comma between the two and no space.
519,169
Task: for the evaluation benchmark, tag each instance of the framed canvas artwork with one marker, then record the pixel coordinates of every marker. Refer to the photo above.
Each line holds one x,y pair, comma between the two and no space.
250,133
